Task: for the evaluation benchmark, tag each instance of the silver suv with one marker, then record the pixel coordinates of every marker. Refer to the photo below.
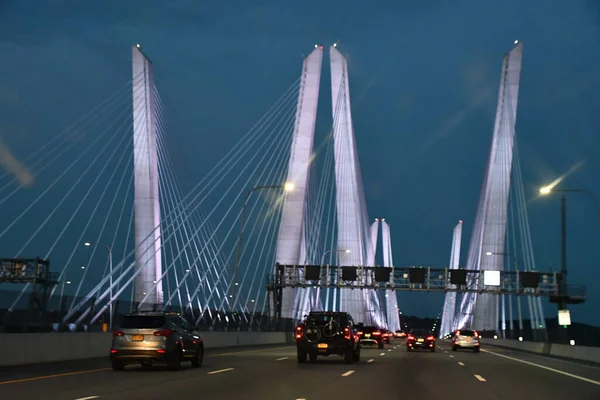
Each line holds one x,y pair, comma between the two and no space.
466,339
155,337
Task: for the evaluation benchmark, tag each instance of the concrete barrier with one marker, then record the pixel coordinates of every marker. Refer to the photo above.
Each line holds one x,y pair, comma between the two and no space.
578,353
34,348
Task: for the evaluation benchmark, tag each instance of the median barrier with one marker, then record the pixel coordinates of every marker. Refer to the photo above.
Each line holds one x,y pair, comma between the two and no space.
34,348
565,351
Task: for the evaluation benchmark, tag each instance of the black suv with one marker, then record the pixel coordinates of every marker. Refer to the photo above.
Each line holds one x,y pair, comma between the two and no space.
326,333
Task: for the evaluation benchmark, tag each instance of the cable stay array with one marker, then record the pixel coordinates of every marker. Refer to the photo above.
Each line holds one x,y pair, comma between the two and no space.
80,216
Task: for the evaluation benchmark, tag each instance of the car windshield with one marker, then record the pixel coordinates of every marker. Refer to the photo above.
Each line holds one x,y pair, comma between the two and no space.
142,321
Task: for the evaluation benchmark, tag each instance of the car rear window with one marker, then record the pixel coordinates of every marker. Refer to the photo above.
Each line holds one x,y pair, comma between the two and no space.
420,332
324,318
142,321
466,333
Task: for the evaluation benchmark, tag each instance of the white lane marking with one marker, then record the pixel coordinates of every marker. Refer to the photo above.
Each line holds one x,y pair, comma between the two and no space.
389,349
451,356
445,352
461,364
220,370
301,398
88,398
281,359
382,354
348,373
480,378
581,378
371,360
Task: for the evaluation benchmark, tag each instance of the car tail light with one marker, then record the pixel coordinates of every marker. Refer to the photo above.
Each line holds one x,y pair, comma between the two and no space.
410,337
429,337
118,333
376,333
165,333
476,334
298,332
347,334
359,333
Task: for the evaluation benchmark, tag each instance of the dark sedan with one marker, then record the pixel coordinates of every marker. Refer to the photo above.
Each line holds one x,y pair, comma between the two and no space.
420,339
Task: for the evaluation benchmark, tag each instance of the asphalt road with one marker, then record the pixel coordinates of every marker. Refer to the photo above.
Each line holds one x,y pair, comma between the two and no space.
273,374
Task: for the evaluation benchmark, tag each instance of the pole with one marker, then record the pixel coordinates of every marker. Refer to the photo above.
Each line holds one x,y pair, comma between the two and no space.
562,305
111,311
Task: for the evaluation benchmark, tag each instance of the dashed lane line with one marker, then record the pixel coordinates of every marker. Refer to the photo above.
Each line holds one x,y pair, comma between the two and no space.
480,378
348,373
220,371
461,363
451,356
371,360
389,349
581,378
281,359
88,398
382,354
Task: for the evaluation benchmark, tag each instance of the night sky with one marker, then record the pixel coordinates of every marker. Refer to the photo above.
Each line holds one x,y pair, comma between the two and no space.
423,78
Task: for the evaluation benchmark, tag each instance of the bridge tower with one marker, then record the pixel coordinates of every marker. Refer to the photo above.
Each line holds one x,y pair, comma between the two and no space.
449,313
147,207
487,247
353,227
290,242
391,300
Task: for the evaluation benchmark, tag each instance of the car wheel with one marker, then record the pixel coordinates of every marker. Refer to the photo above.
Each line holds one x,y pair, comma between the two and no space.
454,348
146,364
312,356
302,356
433,349
349,356
174,360
476,349
380,345
357,355
198,358
117,365
408,348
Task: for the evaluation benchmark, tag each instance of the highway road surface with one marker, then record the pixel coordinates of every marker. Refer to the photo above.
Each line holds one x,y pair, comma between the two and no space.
272,373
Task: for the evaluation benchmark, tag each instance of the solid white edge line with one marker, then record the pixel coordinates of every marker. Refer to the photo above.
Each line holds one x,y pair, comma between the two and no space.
219,371
348,373
281,359
581,378
88,398
480,378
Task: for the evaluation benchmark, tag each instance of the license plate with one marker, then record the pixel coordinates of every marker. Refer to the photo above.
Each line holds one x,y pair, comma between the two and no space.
368,335
137,338
322,345
420,340
468,338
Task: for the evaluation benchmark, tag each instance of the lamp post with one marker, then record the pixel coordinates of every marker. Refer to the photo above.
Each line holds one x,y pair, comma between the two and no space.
62,288
288,187
562,284
347,251
110,267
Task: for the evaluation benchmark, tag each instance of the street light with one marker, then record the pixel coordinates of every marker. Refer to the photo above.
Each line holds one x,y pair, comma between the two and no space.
546,190
110,266
287,187
62,288
347,251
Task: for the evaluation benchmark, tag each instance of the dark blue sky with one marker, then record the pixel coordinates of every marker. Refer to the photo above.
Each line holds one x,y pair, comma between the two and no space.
424,77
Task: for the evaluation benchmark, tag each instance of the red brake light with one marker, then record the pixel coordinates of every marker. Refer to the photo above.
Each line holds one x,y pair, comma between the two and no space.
410,337
359,333
376,333
118,333
298,332
347,333
476,334
166,333
457,333
429,337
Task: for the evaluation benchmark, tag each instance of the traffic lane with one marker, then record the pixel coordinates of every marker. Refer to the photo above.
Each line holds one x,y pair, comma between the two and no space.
573,367
261,377
414,375
79,385
513,379
92,364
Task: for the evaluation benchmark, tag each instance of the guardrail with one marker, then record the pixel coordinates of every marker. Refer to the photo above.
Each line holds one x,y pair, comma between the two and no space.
34,348
572,352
